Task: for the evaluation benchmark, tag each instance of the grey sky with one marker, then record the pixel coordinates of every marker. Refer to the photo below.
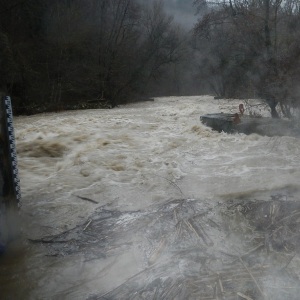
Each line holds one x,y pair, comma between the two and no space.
182,10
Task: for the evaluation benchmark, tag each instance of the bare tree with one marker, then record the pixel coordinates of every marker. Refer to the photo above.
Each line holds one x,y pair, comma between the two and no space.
61,53
139,41
256,36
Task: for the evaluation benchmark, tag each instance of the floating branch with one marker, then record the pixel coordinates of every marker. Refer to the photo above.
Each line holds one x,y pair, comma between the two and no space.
87,199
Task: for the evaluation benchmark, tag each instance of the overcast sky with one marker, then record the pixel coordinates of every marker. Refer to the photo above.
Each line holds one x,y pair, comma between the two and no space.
182,10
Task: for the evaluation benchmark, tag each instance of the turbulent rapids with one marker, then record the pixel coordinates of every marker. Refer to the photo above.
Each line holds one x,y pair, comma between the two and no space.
146,202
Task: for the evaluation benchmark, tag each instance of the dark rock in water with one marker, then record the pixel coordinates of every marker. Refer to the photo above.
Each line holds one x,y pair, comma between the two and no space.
247,125
219,122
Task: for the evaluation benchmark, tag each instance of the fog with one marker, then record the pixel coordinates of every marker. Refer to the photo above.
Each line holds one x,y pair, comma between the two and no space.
184,12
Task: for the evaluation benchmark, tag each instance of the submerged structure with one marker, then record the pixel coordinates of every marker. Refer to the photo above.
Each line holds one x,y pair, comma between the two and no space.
240,123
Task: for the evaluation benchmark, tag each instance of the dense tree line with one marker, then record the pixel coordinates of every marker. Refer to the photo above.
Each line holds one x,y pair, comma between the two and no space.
63,53
251,48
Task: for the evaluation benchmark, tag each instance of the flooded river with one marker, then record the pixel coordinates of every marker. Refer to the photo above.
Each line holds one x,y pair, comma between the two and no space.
113,200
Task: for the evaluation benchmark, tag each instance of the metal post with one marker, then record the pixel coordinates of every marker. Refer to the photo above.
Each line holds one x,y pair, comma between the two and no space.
10,193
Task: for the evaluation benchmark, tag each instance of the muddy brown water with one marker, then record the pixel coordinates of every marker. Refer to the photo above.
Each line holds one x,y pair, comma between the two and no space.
171,211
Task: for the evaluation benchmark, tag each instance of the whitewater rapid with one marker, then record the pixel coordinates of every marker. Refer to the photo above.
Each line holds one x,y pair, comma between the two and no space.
135,156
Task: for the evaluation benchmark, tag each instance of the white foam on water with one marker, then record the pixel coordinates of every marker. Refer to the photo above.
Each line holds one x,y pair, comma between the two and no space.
144,153
135,156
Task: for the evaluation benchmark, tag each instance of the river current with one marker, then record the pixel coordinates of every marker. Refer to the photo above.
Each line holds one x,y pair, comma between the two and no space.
128,159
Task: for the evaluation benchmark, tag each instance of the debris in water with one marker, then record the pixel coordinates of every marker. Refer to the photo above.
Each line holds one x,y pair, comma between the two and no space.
179,242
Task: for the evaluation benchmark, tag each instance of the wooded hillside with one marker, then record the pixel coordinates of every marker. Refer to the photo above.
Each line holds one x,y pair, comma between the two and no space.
63,54
252,46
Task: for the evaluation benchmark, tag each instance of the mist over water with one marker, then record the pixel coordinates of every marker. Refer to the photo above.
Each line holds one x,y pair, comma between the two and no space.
130,159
